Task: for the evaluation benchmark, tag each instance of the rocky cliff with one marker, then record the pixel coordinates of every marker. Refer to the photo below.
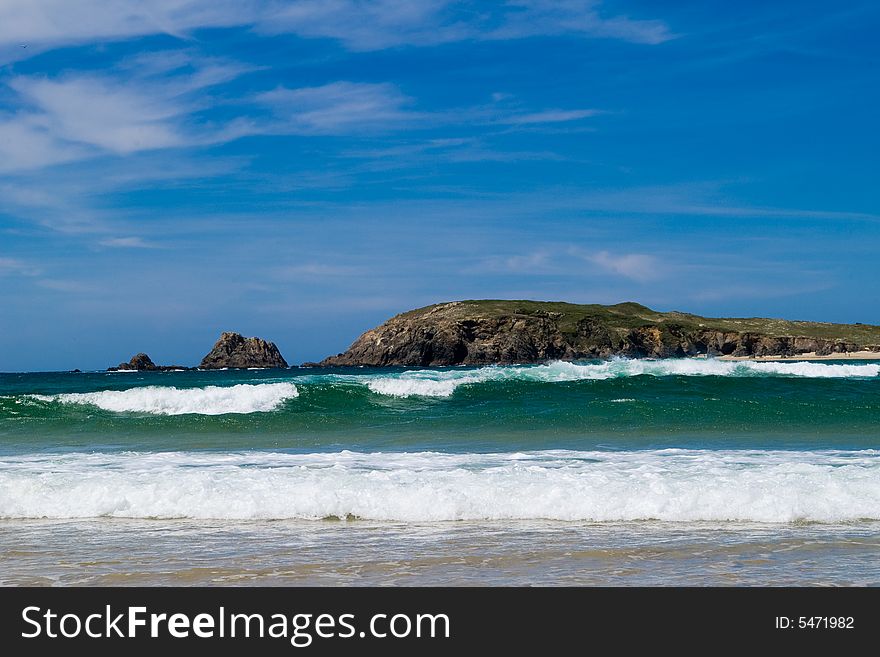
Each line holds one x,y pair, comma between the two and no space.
506,332
234,350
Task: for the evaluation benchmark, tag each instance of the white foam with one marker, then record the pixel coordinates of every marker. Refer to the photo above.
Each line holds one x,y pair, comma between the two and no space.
161,400
413,387
664,485
442,383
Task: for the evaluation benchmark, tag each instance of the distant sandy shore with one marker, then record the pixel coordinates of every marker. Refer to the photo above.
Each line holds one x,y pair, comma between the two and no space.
853,355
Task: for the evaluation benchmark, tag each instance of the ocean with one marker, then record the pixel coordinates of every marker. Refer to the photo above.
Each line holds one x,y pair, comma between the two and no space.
622,472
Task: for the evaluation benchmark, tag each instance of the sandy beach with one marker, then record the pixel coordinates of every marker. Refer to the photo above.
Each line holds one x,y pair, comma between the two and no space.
854,355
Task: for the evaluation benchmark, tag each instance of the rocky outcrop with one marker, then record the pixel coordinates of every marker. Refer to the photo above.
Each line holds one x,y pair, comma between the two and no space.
234,350
143,363
507,332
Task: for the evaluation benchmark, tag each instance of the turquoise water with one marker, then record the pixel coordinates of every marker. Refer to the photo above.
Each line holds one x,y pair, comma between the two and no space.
504,409
745,458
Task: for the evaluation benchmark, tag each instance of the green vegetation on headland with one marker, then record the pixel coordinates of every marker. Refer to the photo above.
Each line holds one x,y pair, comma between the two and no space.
633,315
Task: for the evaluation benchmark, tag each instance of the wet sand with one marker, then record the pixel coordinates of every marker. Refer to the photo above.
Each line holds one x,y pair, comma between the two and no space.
119,552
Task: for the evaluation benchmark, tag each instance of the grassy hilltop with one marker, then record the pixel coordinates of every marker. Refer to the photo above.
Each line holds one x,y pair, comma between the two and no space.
629,315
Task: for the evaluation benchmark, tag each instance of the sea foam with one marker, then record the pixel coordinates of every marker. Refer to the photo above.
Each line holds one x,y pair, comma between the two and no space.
168,400
595,486
442,383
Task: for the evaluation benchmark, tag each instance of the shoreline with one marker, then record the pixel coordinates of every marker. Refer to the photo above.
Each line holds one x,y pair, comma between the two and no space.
811,355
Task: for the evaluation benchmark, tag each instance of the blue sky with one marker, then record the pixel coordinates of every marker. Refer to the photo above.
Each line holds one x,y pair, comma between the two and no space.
303,170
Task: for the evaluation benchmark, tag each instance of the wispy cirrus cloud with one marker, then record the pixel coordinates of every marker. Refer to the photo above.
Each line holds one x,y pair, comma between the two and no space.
317,270
409,152
549,116
154,102
97,112
128,243
526,18
69,286
565,260
374,25
338,108
541,260
391,23
358,25
26,143
80,199
701,198
634,266
346,107
18,267
146,103
44,24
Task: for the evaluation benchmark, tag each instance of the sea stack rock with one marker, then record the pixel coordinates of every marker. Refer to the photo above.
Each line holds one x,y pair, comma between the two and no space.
140,362
234,350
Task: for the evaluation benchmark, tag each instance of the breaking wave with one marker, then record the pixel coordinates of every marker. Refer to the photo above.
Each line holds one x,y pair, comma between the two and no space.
432,383
442,383
595,486
161,400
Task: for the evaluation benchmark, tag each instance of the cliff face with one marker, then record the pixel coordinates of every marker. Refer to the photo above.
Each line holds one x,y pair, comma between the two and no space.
507,332
234,350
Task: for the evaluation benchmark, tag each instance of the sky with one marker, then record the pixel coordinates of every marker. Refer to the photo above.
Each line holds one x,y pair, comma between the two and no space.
303,170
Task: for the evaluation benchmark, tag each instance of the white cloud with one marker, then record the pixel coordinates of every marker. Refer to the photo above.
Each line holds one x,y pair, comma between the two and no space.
550,116
635,266
368,25
44,23
359,25
407,150
152,101
64,285
18,267
389,23
410,154
339,108
74,117
317,270
127,243
537,261
136,107
346,107
559,260
27,143
578,17
100,112
705,198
